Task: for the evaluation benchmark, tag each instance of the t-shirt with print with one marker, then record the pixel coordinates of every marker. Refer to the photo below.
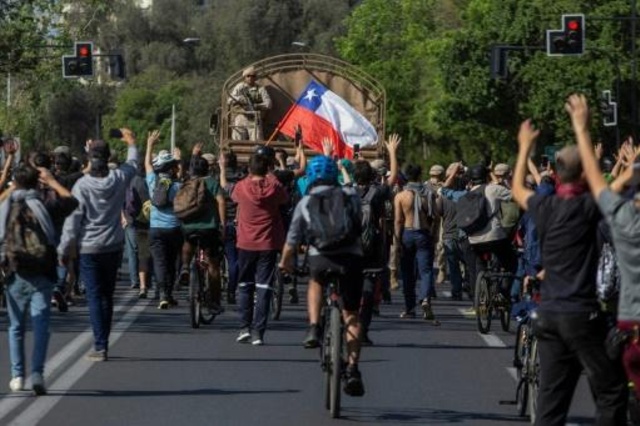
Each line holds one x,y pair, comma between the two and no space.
211,218
624,223
567,228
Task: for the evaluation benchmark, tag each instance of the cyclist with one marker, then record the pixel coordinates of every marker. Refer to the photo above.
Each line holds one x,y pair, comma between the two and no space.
322,175
208,227
492,237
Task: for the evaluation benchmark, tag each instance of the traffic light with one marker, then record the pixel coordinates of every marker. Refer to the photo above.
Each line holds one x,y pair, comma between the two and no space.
80,64
608,109
570,39
84,53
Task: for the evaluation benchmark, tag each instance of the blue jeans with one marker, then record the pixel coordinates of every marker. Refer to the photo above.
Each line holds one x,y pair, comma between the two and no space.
231,253
99,273
416,260
131,247
33,293
257,274
454,256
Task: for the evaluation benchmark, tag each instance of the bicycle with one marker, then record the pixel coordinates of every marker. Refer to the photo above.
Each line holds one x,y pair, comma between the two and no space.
526,360
488,297
333,348
202,308
281,279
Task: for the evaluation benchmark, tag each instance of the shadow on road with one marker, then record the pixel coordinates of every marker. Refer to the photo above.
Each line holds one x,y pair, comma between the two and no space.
163,393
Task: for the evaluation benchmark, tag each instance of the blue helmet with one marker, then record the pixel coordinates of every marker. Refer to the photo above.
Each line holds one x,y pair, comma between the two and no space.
322,168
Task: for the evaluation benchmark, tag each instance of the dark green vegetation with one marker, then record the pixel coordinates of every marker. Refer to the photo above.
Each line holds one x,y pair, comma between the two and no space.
431,55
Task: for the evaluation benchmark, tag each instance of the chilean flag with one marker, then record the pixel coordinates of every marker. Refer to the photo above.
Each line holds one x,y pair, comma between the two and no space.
321,113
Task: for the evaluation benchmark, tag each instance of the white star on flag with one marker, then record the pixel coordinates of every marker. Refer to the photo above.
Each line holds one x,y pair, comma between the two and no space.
310,95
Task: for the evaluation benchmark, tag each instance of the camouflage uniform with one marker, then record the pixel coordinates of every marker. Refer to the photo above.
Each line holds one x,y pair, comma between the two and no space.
247,103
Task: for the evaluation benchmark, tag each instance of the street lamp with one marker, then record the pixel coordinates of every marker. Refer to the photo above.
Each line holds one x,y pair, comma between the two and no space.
191,40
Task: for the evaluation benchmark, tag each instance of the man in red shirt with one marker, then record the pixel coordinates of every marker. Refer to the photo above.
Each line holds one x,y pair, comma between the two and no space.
260,236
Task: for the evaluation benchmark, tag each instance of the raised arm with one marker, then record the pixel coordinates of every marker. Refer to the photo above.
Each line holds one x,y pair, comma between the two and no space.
526,138
392,149
453,170
302,161
578,110
152,138
222,165
537,177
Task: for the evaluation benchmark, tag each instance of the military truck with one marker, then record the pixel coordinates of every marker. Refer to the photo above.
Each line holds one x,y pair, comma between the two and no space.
285,77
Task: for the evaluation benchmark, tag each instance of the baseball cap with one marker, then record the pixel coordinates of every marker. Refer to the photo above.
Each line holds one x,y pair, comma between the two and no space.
501,169
209,157
436,170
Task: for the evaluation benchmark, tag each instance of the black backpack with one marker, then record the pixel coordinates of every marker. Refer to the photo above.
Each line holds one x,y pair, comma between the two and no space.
27,248
472,211
369,226
333,220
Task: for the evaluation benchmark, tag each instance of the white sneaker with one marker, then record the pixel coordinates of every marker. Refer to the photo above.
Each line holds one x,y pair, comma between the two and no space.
257,342
244,336
16,384
37,384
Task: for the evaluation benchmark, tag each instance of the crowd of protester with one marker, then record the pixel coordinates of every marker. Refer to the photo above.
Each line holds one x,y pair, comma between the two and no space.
550,222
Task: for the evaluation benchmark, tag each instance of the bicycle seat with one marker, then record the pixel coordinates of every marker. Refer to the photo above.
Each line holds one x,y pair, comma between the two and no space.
332,274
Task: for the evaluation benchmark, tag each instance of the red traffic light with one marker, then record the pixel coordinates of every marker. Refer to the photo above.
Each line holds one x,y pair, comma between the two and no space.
573,25
84,51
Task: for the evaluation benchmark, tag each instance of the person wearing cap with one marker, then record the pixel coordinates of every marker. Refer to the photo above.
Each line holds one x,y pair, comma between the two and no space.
501,174
96,230
165,233
248,102
436,177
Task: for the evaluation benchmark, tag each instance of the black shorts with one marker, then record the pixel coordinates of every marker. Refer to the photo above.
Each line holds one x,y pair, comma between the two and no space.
209,241
350,267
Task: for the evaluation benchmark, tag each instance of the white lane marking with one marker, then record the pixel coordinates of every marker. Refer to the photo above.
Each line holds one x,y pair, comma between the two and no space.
447,294
66,355
513,373
493,340
467,312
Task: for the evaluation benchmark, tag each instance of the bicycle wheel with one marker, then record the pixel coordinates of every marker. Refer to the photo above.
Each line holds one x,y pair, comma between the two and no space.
483,303
505,317
278,294
533,373
519,349
336,362
224,275
325,360
522,397
206,297
194,298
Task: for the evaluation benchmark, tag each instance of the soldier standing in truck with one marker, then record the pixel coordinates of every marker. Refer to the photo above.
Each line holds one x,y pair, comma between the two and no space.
248,102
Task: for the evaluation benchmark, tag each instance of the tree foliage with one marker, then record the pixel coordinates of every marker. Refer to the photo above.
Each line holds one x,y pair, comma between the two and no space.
432,57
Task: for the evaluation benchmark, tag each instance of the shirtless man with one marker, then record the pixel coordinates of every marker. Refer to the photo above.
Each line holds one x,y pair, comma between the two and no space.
415,211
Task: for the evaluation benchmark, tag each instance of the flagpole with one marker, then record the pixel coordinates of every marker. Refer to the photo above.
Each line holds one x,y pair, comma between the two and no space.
277,129
173,128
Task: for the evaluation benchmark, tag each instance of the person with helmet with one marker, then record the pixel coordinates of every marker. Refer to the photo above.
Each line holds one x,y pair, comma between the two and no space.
165,235
248,101
322,173
492,237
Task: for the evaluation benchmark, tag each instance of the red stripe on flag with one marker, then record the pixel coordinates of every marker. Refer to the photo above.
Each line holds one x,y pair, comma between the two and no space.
314,129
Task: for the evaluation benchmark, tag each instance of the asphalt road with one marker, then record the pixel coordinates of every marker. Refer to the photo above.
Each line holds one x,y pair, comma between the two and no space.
162,372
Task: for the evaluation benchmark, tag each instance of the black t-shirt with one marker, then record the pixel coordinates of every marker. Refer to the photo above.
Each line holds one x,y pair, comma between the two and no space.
568,243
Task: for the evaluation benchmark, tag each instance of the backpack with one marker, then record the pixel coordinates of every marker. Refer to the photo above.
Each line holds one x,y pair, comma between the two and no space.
370,230
510,215
333,220
27,248
132,203
472,211
192,200
608,276
160,195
